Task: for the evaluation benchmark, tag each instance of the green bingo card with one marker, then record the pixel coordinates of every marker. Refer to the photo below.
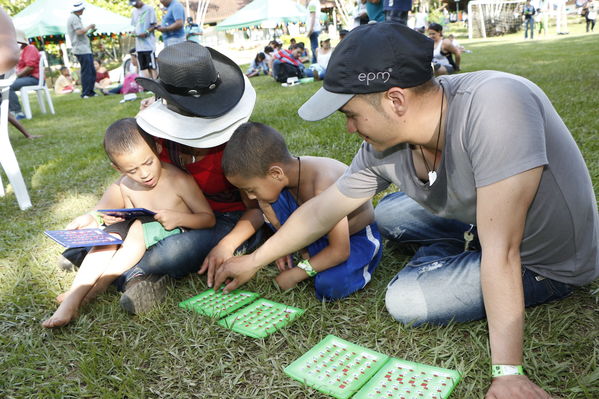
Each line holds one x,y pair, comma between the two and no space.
400,379
336,367
261,318
216,304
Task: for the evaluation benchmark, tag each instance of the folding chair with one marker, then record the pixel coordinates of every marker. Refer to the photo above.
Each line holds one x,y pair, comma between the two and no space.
39,89
7,155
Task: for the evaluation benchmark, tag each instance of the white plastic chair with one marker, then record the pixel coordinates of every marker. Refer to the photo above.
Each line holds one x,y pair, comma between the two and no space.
39,89
7,155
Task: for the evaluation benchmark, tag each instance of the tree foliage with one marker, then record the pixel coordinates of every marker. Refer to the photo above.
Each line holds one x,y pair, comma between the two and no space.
117,6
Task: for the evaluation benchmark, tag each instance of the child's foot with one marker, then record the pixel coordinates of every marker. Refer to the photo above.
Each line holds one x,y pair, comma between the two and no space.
96,290
62,317
61,297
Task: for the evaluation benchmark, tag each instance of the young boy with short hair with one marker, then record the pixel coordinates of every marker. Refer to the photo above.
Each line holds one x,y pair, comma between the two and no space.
258,162
146,182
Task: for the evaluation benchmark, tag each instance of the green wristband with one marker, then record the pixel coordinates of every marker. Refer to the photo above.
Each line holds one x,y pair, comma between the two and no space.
499,370
307,267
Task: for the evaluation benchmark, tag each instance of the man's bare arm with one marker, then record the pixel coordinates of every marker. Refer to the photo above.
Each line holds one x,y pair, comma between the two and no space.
501,210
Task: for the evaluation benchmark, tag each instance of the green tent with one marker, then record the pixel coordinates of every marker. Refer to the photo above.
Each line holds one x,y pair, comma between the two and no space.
260,12
49,17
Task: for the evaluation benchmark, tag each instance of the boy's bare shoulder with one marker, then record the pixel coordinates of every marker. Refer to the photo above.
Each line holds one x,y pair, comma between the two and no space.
174,175
322,172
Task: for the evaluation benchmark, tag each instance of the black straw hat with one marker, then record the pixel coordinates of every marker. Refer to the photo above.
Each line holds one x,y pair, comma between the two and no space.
196,81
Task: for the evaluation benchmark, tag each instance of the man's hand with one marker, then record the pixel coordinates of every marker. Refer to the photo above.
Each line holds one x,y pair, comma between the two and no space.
216,257
239,268
515,387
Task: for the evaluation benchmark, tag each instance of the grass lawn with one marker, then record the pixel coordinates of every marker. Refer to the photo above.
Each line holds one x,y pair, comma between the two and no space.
171,353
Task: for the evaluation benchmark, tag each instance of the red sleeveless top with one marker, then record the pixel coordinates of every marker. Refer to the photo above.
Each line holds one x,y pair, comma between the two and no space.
208,173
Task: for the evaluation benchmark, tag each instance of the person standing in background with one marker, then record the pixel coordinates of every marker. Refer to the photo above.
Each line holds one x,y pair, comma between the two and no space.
193,31
143,19
375,10
82,48
591,14
397,10
528,12
173,22
313,26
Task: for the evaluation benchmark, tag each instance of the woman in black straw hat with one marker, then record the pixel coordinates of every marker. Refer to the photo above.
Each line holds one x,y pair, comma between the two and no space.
201,98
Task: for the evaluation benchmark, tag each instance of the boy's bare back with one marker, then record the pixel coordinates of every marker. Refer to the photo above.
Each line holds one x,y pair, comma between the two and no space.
318,174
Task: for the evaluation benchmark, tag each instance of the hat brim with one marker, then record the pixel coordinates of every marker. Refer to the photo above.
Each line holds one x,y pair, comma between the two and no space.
212,104
322,104
159,121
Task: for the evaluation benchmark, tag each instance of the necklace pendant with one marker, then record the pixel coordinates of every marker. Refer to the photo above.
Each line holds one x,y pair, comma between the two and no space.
432,177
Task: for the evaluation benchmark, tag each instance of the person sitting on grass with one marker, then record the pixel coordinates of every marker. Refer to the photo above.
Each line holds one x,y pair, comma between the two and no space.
446,57
64,84
146,182
258,65
258,162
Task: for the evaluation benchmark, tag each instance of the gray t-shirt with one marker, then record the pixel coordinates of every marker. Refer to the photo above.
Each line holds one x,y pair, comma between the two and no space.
80,43
499,125
141,19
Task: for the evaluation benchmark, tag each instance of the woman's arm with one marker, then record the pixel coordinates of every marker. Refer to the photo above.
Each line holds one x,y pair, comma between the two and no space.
448,47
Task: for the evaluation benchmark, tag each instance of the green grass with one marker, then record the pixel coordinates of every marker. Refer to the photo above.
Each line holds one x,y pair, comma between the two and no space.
171,353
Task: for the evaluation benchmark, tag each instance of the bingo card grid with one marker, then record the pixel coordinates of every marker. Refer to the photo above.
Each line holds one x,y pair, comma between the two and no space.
216,304
82,238
401,379
336,367
261,318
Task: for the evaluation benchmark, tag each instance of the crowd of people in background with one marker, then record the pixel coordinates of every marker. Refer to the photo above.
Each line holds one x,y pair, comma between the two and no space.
298,58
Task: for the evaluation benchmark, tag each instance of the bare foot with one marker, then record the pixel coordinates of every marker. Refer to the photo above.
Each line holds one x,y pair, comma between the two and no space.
63,316
96,290
61,297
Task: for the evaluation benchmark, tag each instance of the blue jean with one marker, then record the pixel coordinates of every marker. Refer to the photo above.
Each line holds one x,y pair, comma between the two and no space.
14,105
178,255
441,283
88,74
314,45
397,16
529,24
182,254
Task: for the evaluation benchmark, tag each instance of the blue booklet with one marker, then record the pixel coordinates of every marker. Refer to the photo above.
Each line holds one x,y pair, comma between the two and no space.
82,238
128,213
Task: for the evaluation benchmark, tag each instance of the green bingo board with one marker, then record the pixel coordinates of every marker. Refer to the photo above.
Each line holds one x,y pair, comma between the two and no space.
400,379
261,318
336,367
216,304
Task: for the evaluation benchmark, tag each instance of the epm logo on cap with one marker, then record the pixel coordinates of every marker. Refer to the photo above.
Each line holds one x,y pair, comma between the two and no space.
383,76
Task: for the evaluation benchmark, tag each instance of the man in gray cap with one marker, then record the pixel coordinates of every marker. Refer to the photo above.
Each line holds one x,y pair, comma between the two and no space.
82,48
495,194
